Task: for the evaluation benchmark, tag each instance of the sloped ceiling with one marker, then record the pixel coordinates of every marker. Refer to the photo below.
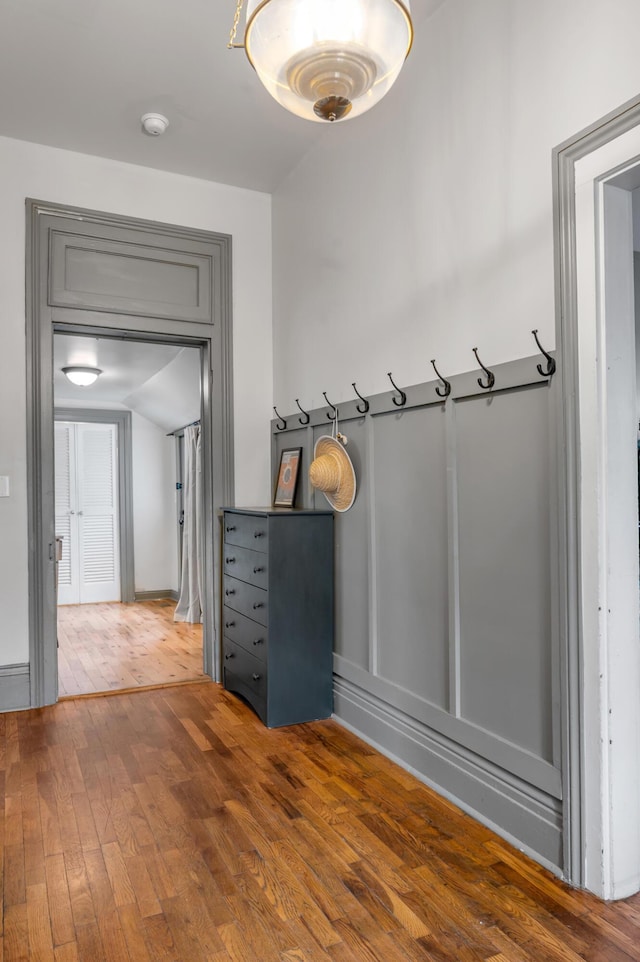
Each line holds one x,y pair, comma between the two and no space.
79,74
161,382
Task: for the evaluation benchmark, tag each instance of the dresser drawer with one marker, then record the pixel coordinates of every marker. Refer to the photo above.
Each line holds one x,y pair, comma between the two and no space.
245,632
246,530
247,599
246,564
243,666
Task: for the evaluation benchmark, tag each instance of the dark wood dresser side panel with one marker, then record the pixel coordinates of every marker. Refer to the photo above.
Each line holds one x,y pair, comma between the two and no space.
301,616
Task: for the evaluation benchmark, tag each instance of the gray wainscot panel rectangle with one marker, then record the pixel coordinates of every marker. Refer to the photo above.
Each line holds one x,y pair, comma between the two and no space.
409,485
503,480
129,277
352,598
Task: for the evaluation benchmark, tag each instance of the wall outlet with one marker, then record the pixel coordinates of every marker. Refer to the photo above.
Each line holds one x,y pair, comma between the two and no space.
4,487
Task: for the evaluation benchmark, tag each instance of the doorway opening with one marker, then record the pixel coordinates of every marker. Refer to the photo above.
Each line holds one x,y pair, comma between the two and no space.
97,275
119,514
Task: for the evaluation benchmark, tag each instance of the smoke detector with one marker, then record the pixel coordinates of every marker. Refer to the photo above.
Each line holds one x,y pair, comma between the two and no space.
154,124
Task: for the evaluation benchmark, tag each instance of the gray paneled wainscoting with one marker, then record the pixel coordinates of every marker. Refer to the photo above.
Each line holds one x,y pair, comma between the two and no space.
446,653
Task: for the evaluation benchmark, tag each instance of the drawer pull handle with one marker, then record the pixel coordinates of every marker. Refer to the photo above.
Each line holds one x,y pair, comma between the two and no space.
258,641
229,591
257,571
229,561
256,676
229,624
258,534
228,655
258,604
230,528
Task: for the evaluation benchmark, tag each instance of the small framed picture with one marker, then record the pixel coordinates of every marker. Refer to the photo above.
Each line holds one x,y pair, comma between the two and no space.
287,483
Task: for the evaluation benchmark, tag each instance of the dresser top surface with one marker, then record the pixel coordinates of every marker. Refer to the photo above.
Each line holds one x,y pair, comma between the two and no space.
278,512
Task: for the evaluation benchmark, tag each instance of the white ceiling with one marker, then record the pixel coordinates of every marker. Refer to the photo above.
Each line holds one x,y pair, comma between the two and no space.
125,365
79,74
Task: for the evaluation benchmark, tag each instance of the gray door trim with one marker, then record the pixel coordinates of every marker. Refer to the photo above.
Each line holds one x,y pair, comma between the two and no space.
216,419
125,485
565,157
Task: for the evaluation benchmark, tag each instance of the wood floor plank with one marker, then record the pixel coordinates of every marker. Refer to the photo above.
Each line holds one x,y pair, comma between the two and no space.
16,933
67,952
62,927
80,897
159,940
170,825
133,931
39,924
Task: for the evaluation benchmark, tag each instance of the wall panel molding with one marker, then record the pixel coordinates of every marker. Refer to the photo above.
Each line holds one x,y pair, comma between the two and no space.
446,599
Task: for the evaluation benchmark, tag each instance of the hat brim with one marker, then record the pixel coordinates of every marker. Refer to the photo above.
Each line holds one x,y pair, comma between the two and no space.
345,495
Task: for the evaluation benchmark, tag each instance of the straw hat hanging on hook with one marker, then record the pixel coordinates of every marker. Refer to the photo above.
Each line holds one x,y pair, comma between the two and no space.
331,470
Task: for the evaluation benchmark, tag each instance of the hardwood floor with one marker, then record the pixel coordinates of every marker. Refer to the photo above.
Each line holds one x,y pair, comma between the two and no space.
171,825
108,647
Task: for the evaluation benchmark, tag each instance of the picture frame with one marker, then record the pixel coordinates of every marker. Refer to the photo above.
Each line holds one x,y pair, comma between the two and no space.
287,478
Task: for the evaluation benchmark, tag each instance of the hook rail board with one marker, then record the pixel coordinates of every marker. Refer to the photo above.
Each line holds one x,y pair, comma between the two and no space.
506,376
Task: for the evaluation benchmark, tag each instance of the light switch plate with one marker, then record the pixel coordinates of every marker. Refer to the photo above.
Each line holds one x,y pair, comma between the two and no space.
4,486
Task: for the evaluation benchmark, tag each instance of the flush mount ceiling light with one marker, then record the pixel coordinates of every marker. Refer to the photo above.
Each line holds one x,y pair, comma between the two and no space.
326,59
82,376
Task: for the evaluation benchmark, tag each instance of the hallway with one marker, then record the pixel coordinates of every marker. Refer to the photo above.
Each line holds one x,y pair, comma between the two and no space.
113,647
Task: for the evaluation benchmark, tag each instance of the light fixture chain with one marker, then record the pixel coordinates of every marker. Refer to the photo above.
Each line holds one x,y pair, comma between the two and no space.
236,21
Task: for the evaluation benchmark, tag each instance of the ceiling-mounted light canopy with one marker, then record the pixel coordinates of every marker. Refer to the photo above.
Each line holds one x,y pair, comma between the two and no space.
327,59
82,376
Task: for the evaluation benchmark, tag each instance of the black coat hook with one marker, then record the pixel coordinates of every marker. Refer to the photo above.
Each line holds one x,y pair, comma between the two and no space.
403,397
447,384
362,410
334,409
551,363
491,378
307,417
284,423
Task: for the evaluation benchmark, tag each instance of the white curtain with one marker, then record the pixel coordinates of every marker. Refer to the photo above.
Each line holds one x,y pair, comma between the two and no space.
189,606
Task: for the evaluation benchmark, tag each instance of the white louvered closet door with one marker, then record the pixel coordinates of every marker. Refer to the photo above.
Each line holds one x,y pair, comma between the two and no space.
92,571
66,526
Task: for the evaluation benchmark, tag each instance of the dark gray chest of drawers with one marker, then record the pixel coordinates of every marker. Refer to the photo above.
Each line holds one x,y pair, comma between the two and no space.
277,618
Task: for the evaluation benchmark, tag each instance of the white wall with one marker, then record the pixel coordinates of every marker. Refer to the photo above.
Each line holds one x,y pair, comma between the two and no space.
172,397
30,170
424,228
154,507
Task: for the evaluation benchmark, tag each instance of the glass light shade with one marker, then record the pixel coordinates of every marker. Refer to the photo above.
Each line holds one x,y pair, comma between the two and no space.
82,376
328,59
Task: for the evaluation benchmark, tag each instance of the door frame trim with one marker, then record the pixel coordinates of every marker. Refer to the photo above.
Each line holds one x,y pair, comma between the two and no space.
565,157
122,420
217,415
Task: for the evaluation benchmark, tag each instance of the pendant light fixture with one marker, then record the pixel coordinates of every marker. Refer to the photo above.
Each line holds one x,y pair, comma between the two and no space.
326,60
82,376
